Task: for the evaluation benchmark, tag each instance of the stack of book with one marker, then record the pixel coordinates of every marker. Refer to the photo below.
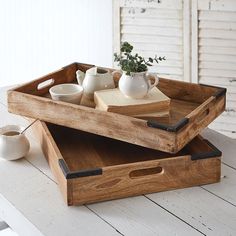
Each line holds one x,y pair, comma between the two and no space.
155,104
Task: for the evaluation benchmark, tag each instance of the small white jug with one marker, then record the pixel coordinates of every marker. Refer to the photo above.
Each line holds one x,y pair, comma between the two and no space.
13,144
137,84
95,79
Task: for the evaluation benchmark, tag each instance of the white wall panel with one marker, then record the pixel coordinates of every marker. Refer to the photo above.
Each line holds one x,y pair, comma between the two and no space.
37,37
164,28
156,28
216,59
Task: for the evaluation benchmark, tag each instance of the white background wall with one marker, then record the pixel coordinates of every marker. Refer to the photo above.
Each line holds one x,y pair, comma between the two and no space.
37,37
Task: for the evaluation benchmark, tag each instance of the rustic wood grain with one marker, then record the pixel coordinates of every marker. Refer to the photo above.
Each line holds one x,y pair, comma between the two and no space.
52,154
200,118
187,101
127,170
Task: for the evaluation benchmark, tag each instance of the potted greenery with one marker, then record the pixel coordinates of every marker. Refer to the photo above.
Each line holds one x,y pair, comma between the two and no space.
135,81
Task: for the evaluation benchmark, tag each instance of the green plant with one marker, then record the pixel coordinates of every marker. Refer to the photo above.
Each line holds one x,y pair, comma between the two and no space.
133,63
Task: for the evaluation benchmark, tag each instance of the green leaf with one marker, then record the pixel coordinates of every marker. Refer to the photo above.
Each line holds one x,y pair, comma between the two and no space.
133,63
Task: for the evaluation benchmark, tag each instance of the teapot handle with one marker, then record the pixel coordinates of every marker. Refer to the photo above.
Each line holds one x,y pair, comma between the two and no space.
149,75
116,71
80,77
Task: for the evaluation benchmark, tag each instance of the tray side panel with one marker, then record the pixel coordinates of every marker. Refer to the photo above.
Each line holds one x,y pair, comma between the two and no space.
186,91
200,118
52,155
107,124
120,181
26,100
63,75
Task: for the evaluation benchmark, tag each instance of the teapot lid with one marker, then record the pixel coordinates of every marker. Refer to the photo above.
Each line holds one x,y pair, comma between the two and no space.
96,71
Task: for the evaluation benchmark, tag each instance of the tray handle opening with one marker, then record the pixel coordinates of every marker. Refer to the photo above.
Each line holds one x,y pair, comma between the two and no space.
147,171
45,84
204,111
202,115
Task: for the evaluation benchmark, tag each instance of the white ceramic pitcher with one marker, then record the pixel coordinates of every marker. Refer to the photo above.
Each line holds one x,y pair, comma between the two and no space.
137,84
13,144
95,79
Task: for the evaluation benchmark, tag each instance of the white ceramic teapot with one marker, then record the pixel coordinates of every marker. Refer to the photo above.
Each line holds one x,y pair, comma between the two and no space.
95,79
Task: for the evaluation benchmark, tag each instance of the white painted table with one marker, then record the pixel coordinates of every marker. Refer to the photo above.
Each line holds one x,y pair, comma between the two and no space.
31,204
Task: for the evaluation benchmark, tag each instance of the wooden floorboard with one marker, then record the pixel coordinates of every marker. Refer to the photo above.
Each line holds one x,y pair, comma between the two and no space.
3,225
8,232
36,159
199,208
140,216
38,199
31,190
209,208
42,201
226,189
225,144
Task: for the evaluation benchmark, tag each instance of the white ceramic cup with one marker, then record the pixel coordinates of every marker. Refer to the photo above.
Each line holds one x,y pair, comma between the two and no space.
71,93
13,145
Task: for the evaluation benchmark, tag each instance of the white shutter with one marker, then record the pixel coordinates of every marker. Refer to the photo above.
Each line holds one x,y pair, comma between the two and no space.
156,28
214,53
163,27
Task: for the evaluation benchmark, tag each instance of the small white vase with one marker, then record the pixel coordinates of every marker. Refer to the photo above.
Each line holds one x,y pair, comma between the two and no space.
13,145
136,85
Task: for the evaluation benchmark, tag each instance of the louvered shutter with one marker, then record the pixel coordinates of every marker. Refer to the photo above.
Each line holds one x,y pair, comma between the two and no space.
203,51
214,53
156,27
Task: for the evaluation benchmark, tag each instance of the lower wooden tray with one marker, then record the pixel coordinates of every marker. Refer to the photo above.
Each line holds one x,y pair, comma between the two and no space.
91,168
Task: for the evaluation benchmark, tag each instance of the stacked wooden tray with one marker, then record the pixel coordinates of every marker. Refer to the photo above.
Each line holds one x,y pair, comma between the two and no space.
92,168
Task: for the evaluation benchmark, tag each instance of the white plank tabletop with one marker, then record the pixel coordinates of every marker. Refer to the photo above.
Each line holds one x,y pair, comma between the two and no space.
31,203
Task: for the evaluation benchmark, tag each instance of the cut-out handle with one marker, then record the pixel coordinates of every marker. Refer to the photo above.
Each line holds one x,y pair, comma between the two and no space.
45,84
147,171
203,111
202,115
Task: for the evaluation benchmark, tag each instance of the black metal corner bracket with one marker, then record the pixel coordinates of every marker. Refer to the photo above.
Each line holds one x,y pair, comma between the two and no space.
77,174
203,155
171,128
220,91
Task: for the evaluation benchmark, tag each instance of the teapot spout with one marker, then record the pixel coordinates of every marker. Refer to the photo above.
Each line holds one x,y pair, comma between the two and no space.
80,77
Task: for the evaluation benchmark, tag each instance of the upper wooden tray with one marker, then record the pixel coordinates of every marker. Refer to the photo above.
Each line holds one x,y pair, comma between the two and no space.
193,107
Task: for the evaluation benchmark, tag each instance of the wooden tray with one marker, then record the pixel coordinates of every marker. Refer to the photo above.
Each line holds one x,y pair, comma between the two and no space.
91,168
193,107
